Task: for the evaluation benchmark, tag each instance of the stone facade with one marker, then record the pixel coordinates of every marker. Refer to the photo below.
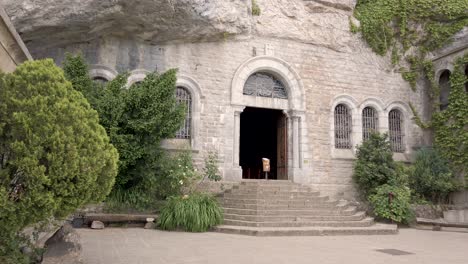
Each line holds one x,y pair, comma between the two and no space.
12,49
320,62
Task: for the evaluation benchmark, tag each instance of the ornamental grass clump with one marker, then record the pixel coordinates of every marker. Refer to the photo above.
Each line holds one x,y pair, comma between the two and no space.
196,212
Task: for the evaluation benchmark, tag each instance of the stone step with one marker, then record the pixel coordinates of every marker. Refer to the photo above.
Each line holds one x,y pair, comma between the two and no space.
270,188
377,229
294,218
321,211
273,200
362,223
268,182
277,196
278,206
272,192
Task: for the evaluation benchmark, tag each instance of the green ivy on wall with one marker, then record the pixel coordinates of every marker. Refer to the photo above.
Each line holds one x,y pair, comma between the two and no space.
451,125
413,27
409,30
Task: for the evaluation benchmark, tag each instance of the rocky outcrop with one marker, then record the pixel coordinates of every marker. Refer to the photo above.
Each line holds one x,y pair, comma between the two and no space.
58,22
48,23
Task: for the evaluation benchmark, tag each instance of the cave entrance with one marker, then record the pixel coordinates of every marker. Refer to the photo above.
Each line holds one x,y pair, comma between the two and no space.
263,134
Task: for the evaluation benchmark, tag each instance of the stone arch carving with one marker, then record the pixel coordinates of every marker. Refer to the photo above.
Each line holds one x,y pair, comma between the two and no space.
136,76
102,71
293,106
280,70
194,89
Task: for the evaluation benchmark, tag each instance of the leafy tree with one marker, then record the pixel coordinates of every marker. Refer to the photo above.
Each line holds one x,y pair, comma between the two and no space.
54,155
392,203
374,165
136,119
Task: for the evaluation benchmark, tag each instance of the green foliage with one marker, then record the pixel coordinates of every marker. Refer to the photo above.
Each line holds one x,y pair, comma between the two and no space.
450,126
174,173
427,24
55,155
398,25
136,119
431,177
392,203
211,167
374,165
194,213
255,8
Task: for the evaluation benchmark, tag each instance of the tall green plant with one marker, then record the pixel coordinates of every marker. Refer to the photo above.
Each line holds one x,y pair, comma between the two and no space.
136,119
196,212
55,156
374,165
431,177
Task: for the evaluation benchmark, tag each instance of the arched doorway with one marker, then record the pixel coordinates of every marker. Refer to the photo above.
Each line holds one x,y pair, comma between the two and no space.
268,89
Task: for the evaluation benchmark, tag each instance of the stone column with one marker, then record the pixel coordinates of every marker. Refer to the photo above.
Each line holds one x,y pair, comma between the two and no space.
295,172
235,171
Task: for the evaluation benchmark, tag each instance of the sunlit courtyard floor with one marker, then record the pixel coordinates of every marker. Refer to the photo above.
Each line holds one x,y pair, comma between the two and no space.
137,245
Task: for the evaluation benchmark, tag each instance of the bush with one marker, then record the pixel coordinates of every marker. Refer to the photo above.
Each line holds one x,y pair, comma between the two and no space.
194,213
55,155
211,167
374,165
392,203
431,177
136,119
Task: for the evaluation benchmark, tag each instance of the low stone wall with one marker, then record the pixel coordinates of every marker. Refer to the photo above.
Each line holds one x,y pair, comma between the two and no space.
428,211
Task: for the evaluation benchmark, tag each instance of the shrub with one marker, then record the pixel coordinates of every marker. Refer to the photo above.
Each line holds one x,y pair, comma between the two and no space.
194,213
374,165
392,203
136,119
55,155
211,167
431,177
256,11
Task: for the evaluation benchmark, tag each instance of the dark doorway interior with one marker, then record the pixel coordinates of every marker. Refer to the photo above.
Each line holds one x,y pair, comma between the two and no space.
261,137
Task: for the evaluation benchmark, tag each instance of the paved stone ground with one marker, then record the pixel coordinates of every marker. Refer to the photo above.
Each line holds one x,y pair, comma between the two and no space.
136,245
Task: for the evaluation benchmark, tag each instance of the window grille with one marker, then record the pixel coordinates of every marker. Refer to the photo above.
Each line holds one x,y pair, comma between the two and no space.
265,85
370,122
183,97
395,125
343,126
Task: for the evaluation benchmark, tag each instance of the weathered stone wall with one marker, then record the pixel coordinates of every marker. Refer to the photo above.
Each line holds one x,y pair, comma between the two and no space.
311,37
325,74
12,49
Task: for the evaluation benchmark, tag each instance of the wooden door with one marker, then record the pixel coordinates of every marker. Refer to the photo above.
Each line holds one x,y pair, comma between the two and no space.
282,148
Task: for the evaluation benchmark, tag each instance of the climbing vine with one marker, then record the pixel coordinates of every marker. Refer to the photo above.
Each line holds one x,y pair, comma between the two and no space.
451,125
409,29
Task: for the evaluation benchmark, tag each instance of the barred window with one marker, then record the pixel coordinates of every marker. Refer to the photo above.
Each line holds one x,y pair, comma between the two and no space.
370,122
395,125
343,126
444,83
183,97
265,85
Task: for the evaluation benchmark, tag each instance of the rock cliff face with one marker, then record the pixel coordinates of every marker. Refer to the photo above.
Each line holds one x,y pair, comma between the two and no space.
61,22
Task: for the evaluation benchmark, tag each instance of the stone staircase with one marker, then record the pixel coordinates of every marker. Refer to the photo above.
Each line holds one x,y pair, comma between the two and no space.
283,208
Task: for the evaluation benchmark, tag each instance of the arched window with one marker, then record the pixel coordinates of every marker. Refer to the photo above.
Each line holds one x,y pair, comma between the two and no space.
370,122
183,97
265,85
343,125
395,125
444,83
100,80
